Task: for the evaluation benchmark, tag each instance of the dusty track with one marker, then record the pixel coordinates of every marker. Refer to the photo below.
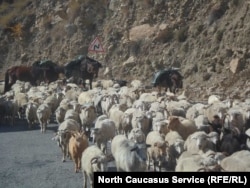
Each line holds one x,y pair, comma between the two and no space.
31,159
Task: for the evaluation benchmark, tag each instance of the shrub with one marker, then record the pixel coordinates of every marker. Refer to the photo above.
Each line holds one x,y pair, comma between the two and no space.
182,34
15,30
219,35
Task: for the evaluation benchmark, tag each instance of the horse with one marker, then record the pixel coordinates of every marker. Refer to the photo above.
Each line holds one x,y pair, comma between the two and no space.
39,71
169,78
46,71
82,69
19,72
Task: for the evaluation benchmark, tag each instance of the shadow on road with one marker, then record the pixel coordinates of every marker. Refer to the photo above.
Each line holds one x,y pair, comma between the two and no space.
21,125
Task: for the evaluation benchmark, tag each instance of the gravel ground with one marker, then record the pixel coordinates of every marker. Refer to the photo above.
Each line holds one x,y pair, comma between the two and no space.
31,159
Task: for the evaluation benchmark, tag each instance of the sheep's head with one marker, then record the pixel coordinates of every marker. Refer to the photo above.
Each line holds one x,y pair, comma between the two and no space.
179,146
161,147
79,136
99,163
95,134
201,140
137,135
173,122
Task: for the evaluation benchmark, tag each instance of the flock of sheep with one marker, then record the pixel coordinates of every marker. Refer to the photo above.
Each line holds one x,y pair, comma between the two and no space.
135,128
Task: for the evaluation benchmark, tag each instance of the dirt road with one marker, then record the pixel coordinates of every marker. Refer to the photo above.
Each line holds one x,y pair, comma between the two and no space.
31,159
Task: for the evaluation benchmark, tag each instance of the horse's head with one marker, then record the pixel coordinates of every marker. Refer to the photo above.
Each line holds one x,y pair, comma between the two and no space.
177,79
36,63
92,67
67,72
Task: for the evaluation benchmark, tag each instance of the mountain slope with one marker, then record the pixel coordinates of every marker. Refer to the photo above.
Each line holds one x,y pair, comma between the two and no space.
208,40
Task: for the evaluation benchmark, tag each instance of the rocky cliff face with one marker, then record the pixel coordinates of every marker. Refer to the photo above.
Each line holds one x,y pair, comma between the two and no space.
207,39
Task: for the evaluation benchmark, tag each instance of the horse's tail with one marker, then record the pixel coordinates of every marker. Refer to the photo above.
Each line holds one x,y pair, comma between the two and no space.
6,81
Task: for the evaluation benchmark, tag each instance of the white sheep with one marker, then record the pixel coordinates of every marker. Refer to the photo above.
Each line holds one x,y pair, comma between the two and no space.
86,97
127,120
31,113
60,114
198,142
172,136
125,101
129,156
65,102
93,160
21,100
161,126
37,95
148,97
180,106
72,93
136,83
18,87
87,116
215,109
53,101
195,110
76,106
108,100
43,115
103,132
237,162
137,135
213,99
189,162
117,116
202,123
141,105
72,114
105,84
132,93
141,120
158,106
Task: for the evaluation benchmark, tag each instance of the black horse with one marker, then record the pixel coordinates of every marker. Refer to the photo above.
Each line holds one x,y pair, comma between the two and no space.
169,79
46,71
81,69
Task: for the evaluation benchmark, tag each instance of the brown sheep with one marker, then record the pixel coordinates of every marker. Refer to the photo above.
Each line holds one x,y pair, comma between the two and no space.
158,150
77,144
183,126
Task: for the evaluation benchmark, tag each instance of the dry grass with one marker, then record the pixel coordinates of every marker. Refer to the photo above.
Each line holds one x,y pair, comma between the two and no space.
9,12
74,7
16,30
182,34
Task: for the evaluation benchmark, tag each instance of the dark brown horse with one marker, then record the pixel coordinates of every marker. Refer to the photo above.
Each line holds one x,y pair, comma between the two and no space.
169,79
46,71
82,69
35,74
22,73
